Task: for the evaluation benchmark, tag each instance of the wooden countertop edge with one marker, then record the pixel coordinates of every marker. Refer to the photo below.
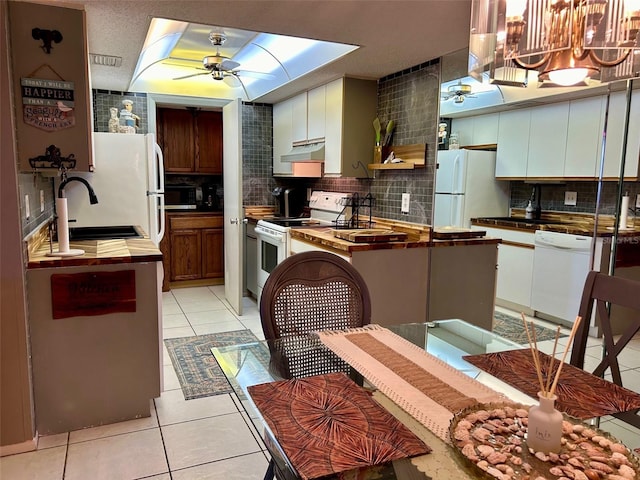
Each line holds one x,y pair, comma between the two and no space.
561,228
135,250
458,242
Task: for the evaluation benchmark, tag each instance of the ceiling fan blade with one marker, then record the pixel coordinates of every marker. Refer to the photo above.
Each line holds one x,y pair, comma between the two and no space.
229,64
192,75
232,80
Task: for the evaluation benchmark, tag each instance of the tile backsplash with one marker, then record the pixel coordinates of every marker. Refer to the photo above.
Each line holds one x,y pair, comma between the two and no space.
552,196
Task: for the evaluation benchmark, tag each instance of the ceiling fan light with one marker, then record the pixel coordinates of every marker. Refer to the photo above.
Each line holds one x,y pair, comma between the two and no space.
217,74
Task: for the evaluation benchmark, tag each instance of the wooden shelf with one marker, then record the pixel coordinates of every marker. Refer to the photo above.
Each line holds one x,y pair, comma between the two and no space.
413,156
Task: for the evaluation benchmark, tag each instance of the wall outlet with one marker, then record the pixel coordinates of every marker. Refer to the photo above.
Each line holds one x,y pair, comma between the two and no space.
638,200
27,210
404,207
41,201
570,198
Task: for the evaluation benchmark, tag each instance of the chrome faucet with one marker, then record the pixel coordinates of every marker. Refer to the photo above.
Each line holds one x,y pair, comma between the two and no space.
93,199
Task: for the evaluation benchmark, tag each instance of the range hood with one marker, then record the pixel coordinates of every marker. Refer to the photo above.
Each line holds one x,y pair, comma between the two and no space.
308,152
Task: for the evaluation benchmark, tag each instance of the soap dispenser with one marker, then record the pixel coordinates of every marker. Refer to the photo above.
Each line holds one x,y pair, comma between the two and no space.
528,212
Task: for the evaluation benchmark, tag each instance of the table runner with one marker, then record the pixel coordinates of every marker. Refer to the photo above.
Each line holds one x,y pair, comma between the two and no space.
424,386
326,424
580,394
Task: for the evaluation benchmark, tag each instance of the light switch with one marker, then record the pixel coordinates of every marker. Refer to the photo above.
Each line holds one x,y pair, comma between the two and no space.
404,207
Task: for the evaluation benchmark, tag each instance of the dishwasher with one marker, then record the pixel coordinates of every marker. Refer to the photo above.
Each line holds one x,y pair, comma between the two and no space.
560,267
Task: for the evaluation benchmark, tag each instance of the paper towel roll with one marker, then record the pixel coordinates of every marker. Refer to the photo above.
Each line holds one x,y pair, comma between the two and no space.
63,225
624,211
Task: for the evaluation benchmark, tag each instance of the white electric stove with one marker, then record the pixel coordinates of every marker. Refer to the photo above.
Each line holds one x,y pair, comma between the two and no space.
326,209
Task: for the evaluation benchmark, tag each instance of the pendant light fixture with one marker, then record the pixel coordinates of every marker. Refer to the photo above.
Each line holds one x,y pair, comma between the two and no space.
566,41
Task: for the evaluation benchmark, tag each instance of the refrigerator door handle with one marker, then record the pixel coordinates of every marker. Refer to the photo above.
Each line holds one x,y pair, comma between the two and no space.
162,219
457,181
160,163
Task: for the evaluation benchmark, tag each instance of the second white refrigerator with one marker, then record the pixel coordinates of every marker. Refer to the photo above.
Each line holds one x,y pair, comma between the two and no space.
466,188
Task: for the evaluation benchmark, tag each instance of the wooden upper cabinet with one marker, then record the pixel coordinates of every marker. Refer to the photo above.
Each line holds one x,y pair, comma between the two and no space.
191,140
177,140
208,129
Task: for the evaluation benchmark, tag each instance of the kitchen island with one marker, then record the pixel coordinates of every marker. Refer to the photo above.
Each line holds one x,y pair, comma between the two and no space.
95,332
420,278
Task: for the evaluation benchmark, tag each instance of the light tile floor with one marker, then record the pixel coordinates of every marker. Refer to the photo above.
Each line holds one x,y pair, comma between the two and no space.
207,438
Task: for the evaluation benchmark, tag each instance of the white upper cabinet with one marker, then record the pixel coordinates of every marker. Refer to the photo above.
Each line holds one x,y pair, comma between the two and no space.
564,140
340,113
282,136
584,138
615,136
548,140
316,113
513,143
478,130
299,118
308,114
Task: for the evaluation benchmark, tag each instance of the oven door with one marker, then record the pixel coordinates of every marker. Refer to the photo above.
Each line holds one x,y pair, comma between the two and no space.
272,249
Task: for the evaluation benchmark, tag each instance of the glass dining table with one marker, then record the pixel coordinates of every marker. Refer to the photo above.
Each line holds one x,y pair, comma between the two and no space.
250,364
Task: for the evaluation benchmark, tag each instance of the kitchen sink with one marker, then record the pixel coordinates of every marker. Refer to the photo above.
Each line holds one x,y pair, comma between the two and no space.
105,233
531,221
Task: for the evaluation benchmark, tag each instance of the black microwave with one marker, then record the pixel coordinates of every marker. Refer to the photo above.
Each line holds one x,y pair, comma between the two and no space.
182,197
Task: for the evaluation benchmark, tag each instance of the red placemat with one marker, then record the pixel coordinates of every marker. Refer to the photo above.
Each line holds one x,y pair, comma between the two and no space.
327,424
580,394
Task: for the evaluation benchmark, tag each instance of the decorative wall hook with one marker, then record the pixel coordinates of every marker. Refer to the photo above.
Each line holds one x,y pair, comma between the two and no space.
53,159
47,36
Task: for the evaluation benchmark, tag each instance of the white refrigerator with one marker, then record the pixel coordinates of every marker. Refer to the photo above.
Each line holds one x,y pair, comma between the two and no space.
466,188
128,181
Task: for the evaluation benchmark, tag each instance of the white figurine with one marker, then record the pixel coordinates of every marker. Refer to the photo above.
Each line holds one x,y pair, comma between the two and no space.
128,118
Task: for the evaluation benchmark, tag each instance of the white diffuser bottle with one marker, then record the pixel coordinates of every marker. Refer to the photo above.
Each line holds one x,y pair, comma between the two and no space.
544,432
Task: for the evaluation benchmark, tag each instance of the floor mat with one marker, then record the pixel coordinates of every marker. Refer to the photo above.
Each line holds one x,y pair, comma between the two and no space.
512,328
197,369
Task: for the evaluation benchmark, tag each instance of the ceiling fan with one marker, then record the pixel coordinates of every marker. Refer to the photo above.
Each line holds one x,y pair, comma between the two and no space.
458,92
221,67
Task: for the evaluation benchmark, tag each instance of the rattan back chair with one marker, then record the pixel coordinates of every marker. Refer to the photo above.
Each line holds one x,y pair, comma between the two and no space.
604,292
309,292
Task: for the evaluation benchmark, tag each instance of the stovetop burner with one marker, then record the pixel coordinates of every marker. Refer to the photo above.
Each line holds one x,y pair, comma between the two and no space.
292,221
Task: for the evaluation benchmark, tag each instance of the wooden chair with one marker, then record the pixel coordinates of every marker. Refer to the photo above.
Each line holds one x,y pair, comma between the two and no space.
604,291
308,292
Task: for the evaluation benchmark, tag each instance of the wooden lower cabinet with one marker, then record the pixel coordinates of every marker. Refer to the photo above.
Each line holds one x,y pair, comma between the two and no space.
212,253
193,248
186,254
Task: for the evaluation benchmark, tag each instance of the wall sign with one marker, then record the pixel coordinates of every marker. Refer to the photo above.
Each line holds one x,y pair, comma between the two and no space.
93,293
48,104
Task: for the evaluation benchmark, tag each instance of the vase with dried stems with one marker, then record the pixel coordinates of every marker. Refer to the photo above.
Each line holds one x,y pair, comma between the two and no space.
544,431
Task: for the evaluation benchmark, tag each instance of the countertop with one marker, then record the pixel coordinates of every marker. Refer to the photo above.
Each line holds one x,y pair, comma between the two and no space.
97,252
418,236
572,223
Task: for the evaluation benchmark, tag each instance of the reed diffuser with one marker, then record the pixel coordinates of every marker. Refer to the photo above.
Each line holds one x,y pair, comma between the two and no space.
544,432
